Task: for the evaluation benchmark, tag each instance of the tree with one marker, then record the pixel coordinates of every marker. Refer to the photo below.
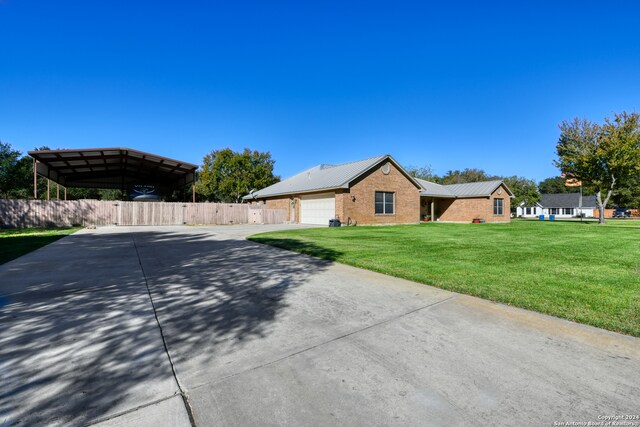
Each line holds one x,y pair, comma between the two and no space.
467,175
601,156
227,176
524,190
22,185
424,172
629,195
8,168
556,185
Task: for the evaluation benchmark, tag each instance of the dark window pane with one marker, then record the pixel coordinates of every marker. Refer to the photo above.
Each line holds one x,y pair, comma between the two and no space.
497,206
384,202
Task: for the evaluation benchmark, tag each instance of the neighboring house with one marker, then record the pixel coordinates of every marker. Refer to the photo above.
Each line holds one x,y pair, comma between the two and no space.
379,191
487,200
562,205
370,191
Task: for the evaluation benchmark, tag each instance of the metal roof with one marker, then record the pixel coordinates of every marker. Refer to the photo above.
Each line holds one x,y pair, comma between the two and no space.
476,189
469,189
324,177
567,200
436,190
111,168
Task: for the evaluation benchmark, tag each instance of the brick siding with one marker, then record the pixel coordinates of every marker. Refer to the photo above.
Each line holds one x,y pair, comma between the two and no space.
359,201
465,210
281,202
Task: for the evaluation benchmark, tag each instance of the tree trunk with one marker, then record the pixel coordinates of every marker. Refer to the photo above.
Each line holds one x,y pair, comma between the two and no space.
600,207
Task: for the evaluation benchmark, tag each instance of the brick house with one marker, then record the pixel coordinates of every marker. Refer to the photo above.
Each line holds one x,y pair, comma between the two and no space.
487,200
375,191
369,191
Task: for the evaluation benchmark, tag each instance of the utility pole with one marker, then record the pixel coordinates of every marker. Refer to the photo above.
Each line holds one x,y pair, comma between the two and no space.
580,202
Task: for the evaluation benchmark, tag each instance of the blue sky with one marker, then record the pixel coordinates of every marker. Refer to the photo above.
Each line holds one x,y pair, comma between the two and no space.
452,85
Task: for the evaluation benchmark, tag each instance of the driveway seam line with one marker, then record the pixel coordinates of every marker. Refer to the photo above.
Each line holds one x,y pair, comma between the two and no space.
392,319
185,399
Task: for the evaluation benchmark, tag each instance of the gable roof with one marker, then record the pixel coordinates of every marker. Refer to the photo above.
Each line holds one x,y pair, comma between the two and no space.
567,200
469,189
325,177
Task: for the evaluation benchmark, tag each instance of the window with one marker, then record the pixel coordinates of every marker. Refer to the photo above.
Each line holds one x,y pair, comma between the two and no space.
528,211
554,211
568,211
384,203
498,206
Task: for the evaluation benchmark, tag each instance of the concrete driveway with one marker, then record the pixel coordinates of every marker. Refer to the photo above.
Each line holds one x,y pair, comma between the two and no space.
195,325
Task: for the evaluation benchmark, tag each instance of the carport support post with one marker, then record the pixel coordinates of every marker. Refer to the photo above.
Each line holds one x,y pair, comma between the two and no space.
35,180
433,210
65,193
57,191
48,189
193,192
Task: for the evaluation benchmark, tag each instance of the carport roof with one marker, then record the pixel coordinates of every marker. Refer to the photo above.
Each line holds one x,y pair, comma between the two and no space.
114,168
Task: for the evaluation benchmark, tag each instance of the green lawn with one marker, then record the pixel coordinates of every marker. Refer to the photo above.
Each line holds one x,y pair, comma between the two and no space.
16,242
579,271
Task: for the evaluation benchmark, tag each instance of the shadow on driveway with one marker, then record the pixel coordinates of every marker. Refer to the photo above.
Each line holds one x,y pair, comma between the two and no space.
78,338
212,291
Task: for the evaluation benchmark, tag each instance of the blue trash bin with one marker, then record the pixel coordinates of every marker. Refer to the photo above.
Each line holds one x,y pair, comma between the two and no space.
552,217
541,217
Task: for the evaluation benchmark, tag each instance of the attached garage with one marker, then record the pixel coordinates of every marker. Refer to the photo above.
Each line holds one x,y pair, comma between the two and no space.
317,208
347,192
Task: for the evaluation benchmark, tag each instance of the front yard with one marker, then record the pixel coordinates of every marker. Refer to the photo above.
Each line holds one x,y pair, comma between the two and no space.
579,271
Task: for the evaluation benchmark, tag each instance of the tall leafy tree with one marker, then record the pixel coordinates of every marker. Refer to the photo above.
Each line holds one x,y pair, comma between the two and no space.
524,190
23,184
467,175
423,172
628,195
227,176
9,159
603,157
555,185
22,187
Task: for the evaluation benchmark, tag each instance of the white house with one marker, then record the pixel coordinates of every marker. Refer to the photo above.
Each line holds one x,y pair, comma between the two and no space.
563,205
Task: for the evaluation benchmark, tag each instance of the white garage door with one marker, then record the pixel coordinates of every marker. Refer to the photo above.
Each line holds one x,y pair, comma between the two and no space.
317,209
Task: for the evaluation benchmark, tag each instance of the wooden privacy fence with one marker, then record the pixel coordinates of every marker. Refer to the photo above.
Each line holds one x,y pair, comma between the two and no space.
608,213
49,213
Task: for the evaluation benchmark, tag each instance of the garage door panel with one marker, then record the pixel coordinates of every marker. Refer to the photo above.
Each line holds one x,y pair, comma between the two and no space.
317,208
